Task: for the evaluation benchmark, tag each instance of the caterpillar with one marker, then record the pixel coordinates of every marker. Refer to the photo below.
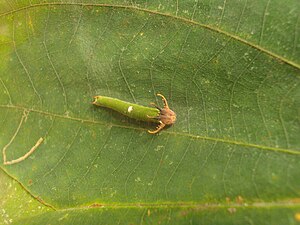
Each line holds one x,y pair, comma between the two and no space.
163,116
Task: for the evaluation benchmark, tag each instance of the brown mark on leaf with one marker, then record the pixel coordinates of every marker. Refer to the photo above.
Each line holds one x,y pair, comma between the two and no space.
228,200
239,200
231,210
95,205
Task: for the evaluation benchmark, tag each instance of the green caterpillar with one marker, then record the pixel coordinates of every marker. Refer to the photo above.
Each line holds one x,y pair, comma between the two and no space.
163,116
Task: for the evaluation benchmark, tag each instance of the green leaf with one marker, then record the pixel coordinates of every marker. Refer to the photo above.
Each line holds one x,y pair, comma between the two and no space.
229,69
15,203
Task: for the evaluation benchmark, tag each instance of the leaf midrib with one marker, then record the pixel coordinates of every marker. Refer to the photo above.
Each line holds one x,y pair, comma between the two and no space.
185,20
191,205
192,136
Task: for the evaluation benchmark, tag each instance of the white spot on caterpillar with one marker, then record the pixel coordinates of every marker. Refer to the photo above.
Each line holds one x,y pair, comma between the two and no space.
130,108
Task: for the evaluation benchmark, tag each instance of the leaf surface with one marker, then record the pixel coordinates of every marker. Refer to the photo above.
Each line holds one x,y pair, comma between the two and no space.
230,70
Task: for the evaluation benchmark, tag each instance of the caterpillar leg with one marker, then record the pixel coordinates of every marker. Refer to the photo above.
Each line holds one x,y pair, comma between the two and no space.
164,100
153,104
158,128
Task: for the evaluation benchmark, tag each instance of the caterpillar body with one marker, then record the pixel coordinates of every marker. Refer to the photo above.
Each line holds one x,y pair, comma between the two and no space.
163,116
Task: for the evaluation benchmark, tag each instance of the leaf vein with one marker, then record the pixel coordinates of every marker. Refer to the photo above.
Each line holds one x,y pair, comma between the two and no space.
209,27
193,136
